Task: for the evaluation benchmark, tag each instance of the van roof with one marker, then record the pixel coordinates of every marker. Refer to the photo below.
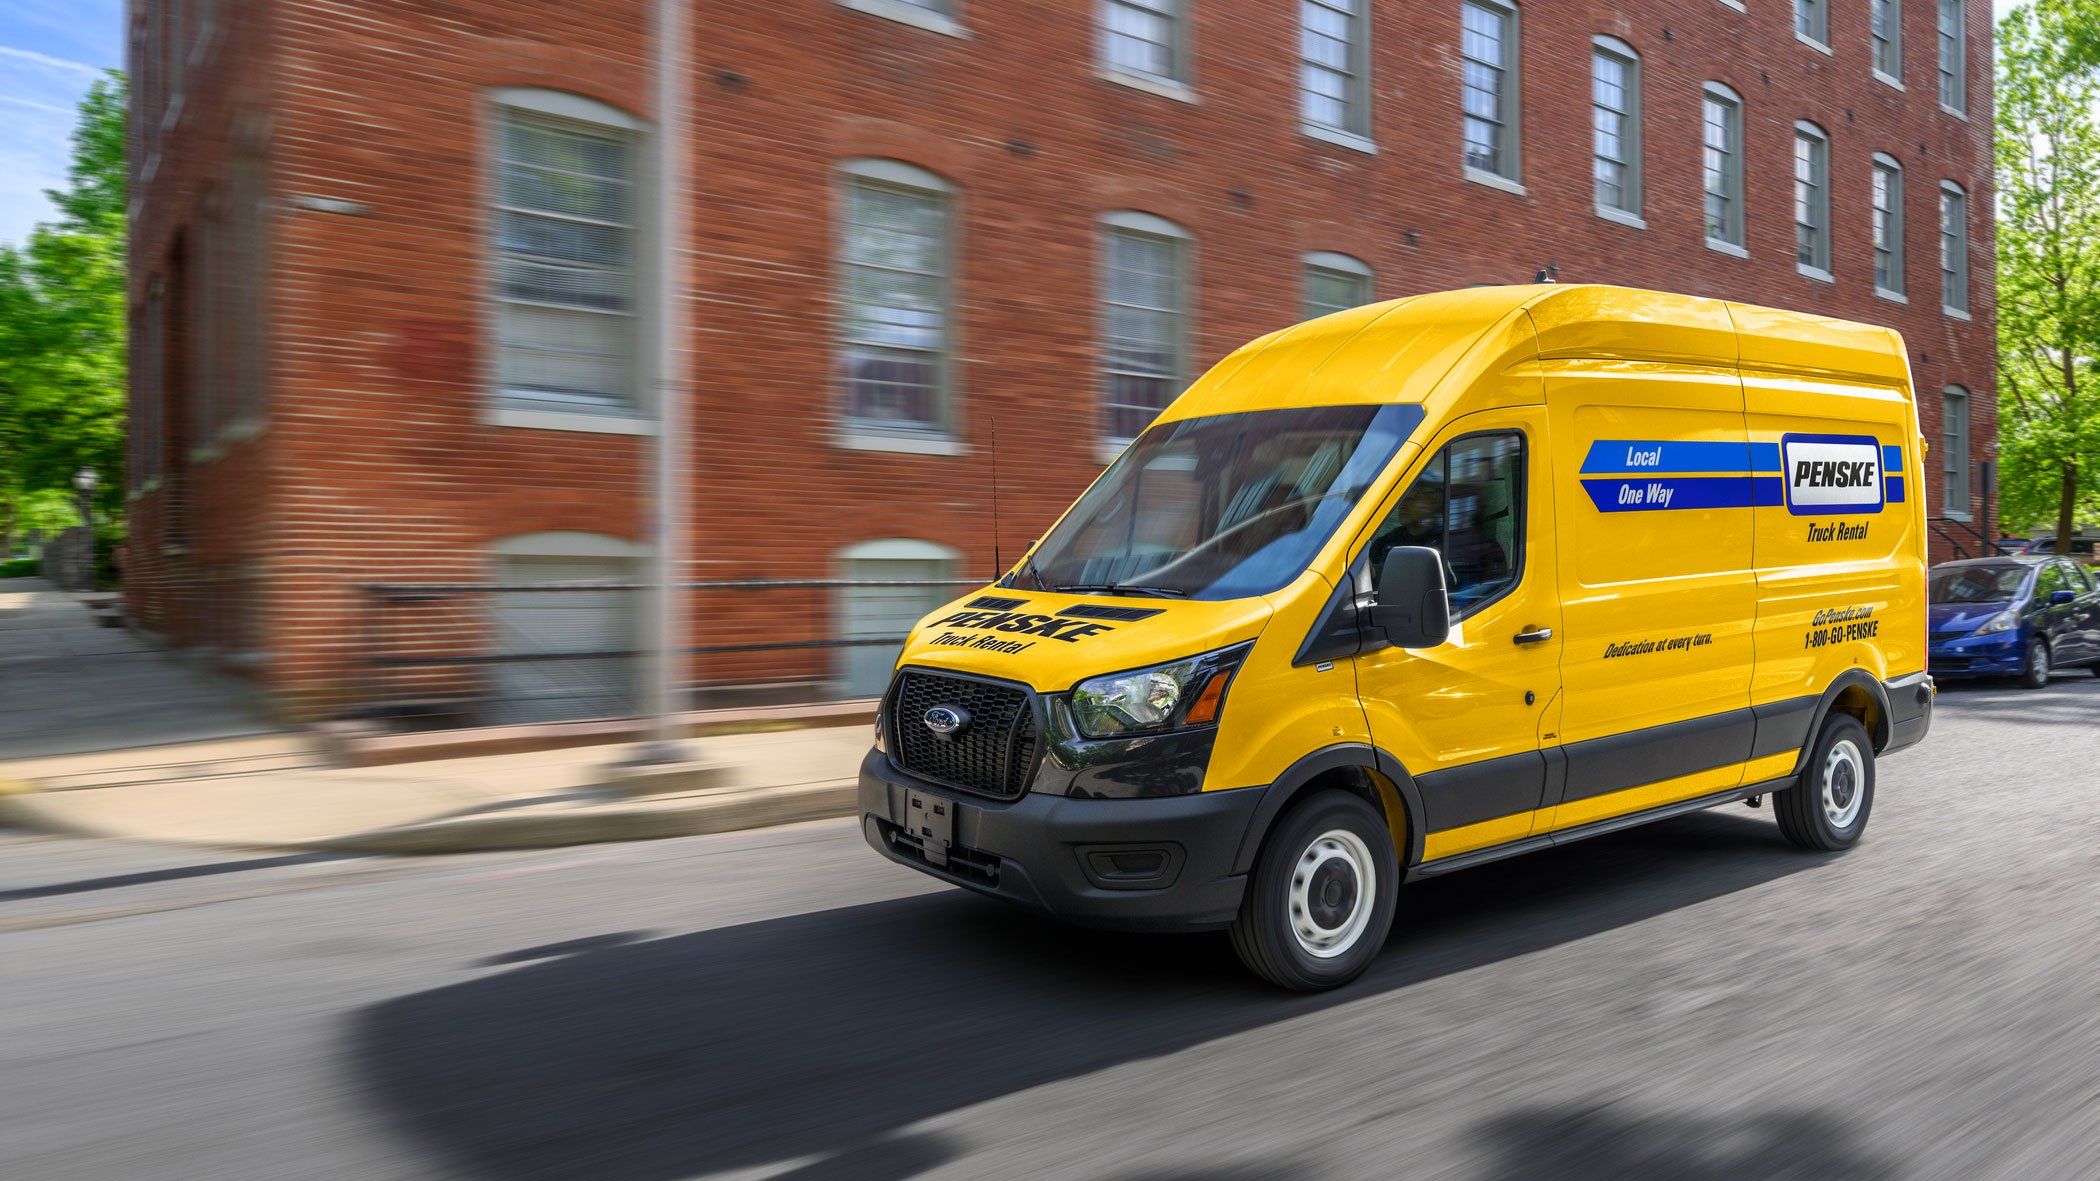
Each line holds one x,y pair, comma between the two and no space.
1401,350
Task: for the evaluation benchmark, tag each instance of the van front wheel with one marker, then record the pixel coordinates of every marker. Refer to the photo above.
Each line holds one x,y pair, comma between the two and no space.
1320,902
1827,807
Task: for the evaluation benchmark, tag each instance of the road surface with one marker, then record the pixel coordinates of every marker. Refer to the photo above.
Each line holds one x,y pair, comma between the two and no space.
1690,999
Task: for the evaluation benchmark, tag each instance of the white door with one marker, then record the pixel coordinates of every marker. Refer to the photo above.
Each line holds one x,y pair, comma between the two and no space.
563,650
886,612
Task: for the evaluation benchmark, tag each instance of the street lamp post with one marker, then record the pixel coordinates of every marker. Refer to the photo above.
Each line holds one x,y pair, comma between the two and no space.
84,482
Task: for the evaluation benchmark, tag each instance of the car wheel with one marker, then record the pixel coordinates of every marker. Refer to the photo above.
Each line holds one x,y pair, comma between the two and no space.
1320,903
1827,807
2035,672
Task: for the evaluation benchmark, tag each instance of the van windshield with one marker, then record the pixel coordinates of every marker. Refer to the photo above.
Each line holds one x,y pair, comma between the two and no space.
1223,507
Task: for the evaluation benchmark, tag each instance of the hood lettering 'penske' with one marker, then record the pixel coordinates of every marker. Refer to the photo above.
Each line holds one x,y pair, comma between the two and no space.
1420,585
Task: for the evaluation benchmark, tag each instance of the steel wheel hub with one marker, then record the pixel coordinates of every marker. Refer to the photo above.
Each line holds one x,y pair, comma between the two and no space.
1333,887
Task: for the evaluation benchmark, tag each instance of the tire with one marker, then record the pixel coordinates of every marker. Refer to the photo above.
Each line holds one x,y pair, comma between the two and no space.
1828,805
2034,673
1307,921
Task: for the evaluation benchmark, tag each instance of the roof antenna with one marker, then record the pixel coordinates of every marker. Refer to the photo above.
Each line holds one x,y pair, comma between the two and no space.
998,563
1550,273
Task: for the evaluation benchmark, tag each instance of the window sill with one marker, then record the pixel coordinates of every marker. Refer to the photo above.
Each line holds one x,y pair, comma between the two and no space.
1954,313
1891,296
1180,92
1723,246
863,439
1344,139
1888,80
1947,110
1493,180
1735,4
1632,220
1817,273
1812,43
908,14
569,420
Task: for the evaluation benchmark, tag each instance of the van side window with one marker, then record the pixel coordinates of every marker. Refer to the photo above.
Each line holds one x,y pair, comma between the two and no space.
1468,504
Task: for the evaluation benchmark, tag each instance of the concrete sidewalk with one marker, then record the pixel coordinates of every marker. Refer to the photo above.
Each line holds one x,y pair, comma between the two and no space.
277,793
102,734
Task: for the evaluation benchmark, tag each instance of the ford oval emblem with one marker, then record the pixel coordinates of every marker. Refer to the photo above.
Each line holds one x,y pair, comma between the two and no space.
946,721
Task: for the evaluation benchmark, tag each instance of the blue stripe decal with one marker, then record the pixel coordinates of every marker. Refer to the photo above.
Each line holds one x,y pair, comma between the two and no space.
1684,492
1764,457
1893,493
1891,460
1638,456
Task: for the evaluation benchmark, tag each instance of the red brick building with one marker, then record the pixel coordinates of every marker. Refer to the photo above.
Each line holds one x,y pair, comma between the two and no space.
393,259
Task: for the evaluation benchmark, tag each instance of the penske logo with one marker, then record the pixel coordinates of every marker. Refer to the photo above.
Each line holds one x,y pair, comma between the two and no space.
1827,474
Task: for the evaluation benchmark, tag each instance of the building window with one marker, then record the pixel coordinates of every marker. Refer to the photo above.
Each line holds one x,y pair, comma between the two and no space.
1954,56
1812,200
1147,319
1885,26
1954,450
895,309
1954,248
1333,69
1144,38
247,281
1812,21
1488,52
1888,225
565,254
1724,165
149,404
1334,283
1615,125
936,16
868,614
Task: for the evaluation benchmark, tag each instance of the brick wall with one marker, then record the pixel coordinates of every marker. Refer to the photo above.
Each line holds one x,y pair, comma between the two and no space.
378,463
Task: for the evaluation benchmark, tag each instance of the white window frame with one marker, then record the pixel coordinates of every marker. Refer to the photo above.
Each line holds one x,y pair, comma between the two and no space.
1890,46
1954,65
1333,263
637,414
1631,187
1887,236
943,437
1954,448
1131,222
1355,132
1731,172
1954,249
1177,82
934,16
1817,18
1510,94
1818,205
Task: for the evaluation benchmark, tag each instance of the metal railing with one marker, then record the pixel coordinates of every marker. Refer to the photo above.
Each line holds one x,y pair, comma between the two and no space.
437,655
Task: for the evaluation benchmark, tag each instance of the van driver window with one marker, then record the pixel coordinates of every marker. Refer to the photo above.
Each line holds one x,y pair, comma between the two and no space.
1468,505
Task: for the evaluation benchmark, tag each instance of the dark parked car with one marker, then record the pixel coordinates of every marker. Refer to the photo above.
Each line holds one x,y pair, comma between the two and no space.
2020,616
2082,548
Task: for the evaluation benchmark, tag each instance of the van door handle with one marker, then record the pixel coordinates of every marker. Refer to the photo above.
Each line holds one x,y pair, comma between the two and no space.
1534,635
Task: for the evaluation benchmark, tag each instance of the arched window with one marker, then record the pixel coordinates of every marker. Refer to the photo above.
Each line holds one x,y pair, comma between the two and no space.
1488,80
1335,282
1144,361
1615,127
896,322
1954,452
1812,201
1723,139
1954,248
869,613
1888,226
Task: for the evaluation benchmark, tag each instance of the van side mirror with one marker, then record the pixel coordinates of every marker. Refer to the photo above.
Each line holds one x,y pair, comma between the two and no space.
2059,598
1413,609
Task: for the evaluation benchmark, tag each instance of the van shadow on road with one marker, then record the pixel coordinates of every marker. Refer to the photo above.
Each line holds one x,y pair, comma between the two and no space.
827,1035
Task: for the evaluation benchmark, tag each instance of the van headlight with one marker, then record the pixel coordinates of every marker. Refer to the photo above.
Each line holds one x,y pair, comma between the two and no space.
2003,621
1152,700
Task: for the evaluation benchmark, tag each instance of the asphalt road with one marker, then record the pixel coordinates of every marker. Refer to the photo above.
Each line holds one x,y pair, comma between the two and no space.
1690,999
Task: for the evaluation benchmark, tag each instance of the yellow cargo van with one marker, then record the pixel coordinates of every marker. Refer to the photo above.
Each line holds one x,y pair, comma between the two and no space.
1420,585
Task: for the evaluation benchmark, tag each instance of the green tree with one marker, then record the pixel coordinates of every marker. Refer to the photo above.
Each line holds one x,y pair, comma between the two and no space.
2048,171
62,328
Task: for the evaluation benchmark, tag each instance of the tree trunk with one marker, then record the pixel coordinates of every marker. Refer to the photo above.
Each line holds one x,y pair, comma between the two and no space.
2066,510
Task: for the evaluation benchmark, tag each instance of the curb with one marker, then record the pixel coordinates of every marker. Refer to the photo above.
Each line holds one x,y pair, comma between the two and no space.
720,810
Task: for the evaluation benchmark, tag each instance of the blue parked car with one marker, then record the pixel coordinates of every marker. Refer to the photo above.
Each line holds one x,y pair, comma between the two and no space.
2015,616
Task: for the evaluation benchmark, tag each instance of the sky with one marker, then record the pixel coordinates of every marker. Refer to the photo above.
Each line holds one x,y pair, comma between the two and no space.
50,51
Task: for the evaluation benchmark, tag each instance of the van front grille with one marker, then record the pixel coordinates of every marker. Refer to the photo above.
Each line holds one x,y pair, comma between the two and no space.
993,755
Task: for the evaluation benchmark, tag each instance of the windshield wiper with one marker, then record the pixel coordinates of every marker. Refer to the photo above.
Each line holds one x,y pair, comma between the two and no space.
1122,588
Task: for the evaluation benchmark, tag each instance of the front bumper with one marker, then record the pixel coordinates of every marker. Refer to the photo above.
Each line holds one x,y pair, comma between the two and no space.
1068,856
2001,654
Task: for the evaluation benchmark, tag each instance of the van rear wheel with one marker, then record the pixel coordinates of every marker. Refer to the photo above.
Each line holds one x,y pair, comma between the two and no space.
1827,807
1320,903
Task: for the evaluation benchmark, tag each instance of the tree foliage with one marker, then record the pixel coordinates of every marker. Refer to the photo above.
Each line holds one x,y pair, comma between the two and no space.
2048,174
62,328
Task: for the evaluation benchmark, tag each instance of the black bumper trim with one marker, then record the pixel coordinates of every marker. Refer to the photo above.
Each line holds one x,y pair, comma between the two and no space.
1031,850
